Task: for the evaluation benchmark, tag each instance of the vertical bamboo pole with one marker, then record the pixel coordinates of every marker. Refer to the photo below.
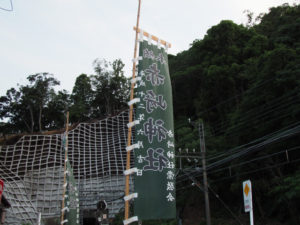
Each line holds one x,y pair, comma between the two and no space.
65,168
131,113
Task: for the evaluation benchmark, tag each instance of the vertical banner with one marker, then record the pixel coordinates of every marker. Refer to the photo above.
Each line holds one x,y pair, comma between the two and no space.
71,199
154,134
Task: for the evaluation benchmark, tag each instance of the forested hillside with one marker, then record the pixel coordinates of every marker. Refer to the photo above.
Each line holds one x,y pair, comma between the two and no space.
243,83
38,107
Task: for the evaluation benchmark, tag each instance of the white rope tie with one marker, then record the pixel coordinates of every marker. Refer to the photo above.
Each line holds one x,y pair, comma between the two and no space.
135,60
131,147
131,196
158,43
130,220
131,124
130,171
167,47
65,221
141,36
150,39
133,101
65,209
134,80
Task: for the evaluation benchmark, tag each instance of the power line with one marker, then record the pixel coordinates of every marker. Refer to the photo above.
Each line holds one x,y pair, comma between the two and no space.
283,113
255,159
260,112
238,148
257,170
243,93
195,182
225,205
274,138
245,173
11,7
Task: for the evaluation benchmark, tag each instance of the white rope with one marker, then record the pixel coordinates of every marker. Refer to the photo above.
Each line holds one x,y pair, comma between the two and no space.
131,196
134,80
167,47
65,209
133,101
135,60
130,171
131,124
97,155
141,36
150,39
158,43
63,222
131,147
130,220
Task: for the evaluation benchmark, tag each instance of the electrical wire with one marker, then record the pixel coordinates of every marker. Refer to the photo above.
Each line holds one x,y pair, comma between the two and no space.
255,159
238,148
243,152
225,205
257,170
245,173
195,182
257,113
263,83
283,114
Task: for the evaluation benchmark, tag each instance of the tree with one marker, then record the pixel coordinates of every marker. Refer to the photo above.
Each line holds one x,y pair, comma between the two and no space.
110,86
82,97
24,107
55,111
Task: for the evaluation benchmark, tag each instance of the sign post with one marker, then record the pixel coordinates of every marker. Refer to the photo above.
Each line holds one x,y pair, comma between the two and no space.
247,192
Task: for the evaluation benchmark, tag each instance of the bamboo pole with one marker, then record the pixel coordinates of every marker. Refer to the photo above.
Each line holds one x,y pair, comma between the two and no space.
154,38
65,168
131,114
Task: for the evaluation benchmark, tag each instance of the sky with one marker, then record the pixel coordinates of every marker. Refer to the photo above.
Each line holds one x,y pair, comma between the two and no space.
64,37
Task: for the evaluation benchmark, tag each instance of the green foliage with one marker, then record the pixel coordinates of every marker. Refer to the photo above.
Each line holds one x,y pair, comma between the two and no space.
25,107
110,86
82,97
289,189
36,107
244,83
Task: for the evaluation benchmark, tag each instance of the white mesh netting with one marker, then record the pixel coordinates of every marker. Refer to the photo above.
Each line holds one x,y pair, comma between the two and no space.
32,169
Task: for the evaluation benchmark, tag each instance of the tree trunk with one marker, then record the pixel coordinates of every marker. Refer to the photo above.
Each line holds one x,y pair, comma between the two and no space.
27,125
40,119
32,119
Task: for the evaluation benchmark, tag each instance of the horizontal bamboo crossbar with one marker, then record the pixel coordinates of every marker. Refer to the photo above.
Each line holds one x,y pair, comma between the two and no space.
154,38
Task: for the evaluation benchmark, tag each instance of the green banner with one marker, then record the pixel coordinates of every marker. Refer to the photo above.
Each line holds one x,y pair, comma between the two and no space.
155,157
71,199
71,208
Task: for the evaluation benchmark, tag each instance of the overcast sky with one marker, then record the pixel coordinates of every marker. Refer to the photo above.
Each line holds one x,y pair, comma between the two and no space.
64,37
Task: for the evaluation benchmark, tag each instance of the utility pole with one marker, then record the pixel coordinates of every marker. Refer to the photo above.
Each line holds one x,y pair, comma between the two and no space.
202,148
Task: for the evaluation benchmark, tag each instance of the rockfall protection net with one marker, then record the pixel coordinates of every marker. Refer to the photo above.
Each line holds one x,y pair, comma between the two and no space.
32,169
